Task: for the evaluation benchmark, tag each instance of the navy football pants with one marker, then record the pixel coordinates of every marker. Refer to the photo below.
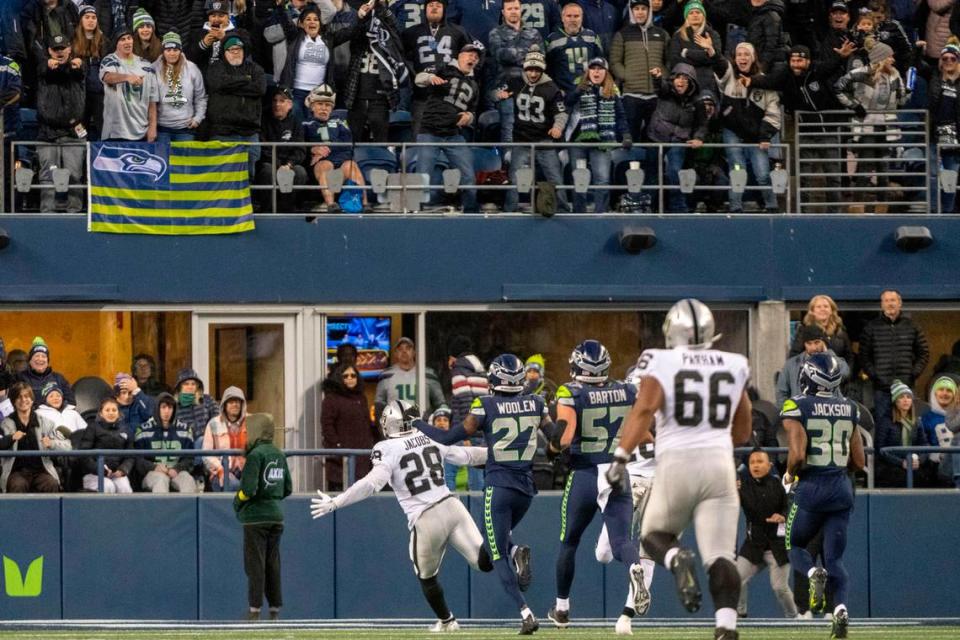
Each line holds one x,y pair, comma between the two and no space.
503,509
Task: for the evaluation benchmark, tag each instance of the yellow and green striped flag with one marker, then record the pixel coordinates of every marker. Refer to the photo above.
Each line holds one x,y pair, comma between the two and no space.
180,188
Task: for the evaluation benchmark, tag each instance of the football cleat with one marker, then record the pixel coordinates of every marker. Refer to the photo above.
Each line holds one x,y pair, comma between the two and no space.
624,626
528,626
445,626
818,585
641,596
521,562
725,634
560,618
684,568
839,627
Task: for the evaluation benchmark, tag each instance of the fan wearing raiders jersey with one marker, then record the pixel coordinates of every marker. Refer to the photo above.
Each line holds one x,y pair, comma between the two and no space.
824,440
412,464
590,410
698,396
539,116
426,46
450,106
508,420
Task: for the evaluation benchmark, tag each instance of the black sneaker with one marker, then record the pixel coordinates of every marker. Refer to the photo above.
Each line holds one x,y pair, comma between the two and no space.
840,621
560,618
725,634
528,626
684,568
818,585
521,563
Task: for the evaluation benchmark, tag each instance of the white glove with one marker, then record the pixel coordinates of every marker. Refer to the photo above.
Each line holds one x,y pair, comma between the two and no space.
789,482
323,505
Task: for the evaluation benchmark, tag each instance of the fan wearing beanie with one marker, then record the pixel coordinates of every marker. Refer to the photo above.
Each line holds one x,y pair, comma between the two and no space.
941,424
38,372
901,429
697,44
146,43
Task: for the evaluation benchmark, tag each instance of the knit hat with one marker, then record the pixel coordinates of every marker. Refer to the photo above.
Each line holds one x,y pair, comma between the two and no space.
598,62
952,46
85,9
232,41
49,388
811,332
141,18
880,52
171,40
38,346
636,3
690,6
748,46
945,382
536,362
535,60
898,389
443,411
119,378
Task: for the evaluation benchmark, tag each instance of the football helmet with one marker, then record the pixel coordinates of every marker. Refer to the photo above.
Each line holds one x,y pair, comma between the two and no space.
397,418
689,323
507,374
820,373
590,362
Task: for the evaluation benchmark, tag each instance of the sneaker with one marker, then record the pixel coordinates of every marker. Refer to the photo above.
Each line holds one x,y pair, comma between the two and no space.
445,626
641,596
528,626
725,634
828,616
806,615
521,562
818,584
839,628
253,616
560,618
274,614
684,570
624,626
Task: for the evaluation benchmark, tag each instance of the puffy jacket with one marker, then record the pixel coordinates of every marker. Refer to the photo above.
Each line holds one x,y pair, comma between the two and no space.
169,15
235,98
468,381
678,117
752,114
858,87
100,434
765,33
61,99
893,350
686,50
634,51
67,416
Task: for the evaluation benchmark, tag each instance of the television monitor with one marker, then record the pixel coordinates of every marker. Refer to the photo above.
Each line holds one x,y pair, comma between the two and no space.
369,334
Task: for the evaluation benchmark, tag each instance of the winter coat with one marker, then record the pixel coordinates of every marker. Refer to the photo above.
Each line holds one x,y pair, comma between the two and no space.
634,51
893,34
141,408
67,416
765,33
153,436
890,434
686,50
38,380
266,477
753,114
760,499
345,424
858,87
198,414
220,431
508,48
937,27
940,427
893,350
360,44
203,56
43,428
242,25
678,117
169,15
176,111
39,24
468,380
290,129
61,100
936,86
100,434
235,98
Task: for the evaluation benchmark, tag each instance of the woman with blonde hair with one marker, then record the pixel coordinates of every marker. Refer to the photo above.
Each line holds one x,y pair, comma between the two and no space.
697,44
183,98
822,311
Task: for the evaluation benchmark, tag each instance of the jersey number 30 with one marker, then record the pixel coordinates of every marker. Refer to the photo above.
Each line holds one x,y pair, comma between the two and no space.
430,462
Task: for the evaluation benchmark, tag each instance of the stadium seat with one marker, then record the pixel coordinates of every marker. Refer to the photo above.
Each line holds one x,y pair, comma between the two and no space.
370,158
486,159
90,390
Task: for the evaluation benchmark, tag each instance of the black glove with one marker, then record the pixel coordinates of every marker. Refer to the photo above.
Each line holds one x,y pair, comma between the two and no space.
860,111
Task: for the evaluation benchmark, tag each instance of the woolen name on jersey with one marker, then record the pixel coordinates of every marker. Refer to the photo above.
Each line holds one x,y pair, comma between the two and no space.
832,410
607,396
517,406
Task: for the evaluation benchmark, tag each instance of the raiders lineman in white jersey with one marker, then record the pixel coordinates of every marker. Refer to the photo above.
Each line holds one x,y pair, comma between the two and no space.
641,470
412,464
697,396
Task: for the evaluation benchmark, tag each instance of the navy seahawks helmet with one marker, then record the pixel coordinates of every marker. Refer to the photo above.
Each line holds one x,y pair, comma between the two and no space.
507,374
820,373
397,418
590,362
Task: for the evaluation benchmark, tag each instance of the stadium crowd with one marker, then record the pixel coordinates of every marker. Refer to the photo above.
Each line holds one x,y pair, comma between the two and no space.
448,72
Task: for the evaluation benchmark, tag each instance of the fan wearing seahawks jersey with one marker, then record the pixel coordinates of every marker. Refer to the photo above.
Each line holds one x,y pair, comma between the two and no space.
408,13
698,397
591,409
412,464
428,44
824,441
508,420
569,48
542,15
539,116
452,100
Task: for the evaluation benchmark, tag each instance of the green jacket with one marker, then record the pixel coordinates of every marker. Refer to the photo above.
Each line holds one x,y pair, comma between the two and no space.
266,477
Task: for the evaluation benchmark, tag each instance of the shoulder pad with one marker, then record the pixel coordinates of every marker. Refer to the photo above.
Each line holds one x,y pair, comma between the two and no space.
476,404
790,409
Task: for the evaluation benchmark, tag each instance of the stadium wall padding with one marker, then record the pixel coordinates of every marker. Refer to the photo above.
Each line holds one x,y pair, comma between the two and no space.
477,259
180,558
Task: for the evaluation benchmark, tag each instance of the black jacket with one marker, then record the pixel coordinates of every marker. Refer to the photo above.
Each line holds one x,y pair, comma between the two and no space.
290,129
61,100
360,44
236,96
103,435
170,15
203,56
460,93
893,350
761,499
678,118
765,32
37,380
681,50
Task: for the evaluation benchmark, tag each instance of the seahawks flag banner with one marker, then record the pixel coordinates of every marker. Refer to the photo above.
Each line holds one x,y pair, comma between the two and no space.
180,188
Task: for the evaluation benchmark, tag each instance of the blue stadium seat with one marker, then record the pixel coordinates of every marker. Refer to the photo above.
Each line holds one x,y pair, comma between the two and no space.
370,158
486,159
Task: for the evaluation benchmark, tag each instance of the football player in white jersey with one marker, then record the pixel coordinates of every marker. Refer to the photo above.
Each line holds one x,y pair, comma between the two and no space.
698,397
641,469
412,464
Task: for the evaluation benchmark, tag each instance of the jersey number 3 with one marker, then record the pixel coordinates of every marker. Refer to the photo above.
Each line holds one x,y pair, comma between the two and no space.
430,462
689,403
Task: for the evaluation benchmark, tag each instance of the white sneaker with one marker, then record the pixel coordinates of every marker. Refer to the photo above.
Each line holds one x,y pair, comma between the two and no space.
624,626
828,616
807,615
445,627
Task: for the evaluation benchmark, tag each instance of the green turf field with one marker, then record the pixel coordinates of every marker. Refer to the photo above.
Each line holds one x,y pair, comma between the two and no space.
804,632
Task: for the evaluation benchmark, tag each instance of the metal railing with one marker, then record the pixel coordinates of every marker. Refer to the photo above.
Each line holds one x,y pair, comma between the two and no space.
909,450
862,153
407,192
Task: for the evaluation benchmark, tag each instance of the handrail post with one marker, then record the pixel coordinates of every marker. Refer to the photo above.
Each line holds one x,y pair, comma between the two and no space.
100,463
909,466
351,470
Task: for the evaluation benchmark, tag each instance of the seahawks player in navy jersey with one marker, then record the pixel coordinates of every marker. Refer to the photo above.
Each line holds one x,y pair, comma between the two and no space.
825,442
508,419
591,410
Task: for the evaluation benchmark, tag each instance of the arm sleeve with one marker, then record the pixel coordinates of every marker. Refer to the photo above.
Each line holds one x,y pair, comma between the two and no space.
453,436
467,456
364,487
